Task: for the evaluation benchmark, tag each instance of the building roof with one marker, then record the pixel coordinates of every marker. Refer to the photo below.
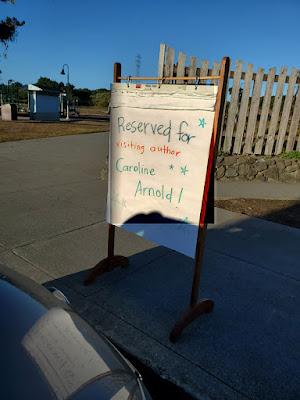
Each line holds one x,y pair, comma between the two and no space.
44,92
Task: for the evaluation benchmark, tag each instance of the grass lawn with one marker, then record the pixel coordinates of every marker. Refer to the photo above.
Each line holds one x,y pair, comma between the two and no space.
92,110
25,129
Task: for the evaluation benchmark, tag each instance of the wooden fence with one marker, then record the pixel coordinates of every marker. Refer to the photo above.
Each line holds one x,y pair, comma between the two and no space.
262,112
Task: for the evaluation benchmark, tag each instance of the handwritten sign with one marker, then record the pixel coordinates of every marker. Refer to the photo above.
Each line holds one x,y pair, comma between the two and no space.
67,360
159,148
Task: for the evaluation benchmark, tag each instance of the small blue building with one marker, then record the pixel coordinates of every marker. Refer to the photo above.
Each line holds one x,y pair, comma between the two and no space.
44,105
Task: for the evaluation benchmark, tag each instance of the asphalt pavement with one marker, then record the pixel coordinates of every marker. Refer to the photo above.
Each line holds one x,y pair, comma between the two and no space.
52,213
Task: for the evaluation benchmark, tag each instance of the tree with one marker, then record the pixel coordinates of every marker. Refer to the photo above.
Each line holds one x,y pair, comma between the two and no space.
101,97
83,96
48,84
8,28
17,92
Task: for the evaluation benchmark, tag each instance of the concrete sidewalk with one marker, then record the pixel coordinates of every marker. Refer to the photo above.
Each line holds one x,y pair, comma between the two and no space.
257,190
248,348
52,202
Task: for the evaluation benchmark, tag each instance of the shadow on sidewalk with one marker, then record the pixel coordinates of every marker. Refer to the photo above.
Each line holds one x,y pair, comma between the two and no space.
246,348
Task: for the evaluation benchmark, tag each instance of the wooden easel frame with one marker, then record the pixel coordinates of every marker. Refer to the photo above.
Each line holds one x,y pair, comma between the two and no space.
196,307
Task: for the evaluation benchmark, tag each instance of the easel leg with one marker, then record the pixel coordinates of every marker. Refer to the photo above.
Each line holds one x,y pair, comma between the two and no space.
111,261
203,307
196,307
108,263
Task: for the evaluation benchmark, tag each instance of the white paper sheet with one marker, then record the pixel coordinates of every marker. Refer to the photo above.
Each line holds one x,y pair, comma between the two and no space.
62,353
159,148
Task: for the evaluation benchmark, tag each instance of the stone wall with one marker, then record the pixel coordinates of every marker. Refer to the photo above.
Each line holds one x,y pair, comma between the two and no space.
259,168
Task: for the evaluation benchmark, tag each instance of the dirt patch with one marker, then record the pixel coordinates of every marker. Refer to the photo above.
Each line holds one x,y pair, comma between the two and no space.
286,212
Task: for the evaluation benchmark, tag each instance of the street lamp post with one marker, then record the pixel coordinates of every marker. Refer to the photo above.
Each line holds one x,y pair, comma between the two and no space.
68,83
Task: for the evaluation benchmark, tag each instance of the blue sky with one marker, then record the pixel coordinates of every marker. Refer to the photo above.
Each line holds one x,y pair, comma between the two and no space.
91,35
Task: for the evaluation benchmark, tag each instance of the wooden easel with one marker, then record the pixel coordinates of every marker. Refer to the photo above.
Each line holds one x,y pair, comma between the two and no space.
111,261
196,307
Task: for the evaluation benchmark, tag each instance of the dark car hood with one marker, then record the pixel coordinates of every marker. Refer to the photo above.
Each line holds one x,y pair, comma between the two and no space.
48,351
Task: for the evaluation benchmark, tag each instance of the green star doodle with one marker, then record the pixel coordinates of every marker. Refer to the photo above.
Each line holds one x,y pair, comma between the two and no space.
171,166
201,122
184,170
